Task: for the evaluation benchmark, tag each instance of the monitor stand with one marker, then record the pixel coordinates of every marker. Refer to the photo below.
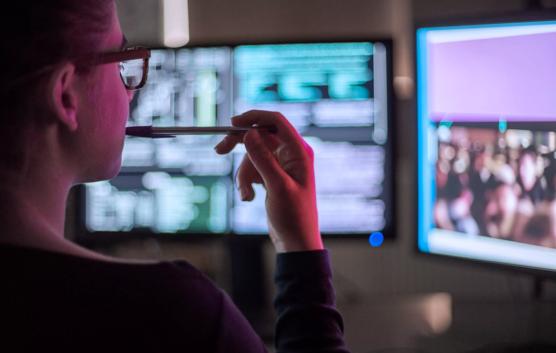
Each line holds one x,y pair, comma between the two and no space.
248,281
538,288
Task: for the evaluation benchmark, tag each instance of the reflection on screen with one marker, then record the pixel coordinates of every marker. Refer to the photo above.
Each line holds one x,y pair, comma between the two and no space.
486,153
335,94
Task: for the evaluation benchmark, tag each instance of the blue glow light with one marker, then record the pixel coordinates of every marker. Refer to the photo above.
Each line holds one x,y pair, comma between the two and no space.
502,126
425,183
376,239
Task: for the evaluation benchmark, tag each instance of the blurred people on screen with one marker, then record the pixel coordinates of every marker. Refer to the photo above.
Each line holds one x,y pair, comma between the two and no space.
500,184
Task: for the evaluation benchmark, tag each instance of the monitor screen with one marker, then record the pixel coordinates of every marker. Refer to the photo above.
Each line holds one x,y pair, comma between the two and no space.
487,143
336,94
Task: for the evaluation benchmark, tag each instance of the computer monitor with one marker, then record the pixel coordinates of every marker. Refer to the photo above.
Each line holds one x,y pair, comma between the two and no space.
337,94
486,115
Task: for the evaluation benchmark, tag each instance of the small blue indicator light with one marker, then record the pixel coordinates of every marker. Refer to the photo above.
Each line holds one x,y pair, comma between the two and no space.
376,239
502,126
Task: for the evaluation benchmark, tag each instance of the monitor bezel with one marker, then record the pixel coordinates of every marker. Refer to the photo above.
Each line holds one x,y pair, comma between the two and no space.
86,237
525,16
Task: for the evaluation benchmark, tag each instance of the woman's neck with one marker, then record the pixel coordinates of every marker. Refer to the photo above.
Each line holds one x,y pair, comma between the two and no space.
34,203
23,210
35,219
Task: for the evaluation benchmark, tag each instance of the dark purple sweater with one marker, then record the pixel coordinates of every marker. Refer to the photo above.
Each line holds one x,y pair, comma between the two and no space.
62,303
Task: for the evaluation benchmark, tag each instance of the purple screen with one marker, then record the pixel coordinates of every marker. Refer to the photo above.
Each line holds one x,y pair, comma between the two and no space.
510,77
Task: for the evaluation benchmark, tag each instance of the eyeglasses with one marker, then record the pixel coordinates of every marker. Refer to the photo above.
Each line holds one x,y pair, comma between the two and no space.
134,65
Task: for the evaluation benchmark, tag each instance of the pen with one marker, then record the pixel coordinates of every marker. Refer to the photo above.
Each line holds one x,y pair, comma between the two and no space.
162,132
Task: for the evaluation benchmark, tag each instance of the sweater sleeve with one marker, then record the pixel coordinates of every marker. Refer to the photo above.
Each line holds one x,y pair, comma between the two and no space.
305,304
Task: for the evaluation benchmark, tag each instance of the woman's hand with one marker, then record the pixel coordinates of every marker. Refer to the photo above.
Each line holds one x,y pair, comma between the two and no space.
283,163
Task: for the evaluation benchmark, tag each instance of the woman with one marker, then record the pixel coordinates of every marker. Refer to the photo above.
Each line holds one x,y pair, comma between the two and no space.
65,97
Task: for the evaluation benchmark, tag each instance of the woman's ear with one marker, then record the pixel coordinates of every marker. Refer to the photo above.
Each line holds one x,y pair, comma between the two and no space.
62,95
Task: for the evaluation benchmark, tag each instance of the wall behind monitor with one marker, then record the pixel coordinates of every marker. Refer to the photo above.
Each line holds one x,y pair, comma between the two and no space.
363,275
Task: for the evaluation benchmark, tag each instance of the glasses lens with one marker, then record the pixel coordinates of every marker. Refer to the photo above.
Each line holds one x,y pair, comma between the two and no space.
132,72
